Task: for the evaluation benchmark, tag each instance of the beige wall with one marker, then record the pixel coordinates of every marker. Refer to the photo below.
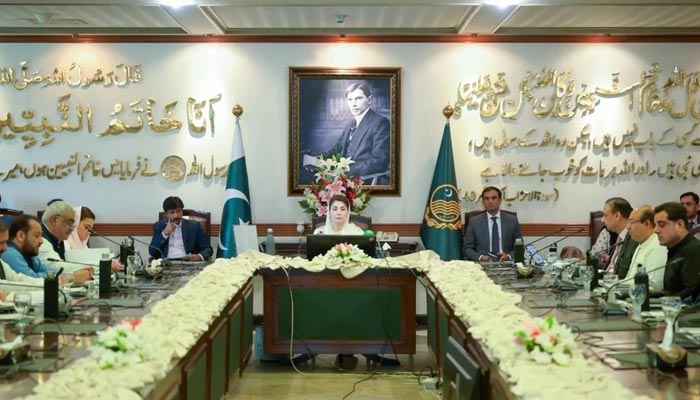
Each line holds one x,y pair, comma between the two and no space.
256,76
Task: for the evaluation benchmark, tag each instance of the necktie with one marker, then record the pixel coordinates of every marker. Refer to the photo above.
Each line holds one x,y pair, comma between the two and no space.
691,225
613,259
353,127
495,237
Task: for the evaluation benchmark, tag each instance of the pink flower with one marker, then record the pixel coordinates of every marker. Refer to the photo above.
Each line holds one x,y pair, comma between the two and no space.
322,210
519,341
335,188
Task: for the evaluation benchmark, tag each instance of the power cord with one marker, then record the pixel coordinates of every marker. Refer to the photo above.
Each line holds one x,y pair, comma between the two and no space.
291,331
354,385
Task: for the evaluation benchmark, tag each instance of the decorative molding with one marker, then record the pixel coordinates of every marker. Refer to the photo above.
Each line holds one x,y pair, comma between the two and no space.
598,38
281,229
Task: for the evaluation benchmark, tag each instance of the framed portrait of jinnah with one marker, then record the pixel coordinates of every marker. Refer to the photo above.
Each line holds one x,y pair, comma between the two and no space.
351,112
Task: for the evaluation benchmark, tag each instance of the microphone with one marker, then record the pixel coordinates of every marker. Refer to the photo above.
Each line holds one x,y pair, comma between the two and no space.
149,245
609,308
124,249
546,236
559,240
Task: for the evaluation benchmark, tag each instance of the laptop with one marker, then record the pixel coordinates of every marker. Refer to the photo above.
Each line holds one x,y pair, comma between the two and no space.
320,244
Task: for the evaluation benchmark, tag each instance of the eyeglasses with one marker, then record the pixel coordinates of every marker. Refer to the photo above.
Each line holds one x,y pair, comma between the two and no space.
633,221
69,221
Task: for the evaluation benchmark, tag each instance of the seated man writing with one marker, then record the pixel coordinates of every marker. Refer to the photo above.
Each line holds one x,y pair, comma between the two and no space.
175,237
491,235
23,250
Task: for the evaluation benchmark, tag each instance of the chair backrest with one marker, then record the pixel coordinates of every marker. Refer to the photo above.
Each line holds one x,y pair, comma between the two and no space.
8,215
203,217
362,222
595,225
472,214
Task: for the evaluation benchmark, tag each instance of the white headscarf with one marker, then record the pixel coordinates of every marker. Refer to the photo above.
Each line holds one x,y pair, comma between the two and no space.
73,242
348,227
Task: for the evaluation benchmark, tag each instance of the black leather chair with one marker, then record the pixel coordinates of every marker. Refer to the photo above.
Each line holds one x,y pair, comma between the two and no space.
596,225
362,222
203,217
8,215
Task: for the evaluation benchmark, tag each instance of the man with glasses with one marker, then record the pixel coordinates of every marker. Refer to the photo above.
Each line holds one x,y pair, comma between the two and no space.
616,213
57,224
649,253
178,238
682,279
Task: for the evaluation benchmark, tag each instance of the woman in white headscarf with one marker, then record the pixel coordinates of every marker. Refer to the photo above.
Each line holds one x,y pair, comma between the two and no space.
78,239
82,230
338,218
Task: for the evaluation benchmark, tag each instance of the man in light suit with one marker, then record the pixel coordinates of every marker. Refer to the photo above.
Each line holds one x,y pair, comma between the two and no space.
366,138
175,237
491,235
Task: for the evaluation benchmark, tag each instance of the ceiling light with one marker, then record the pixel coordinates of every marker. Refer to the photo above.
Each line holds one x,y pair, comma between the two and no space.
502,3
177,3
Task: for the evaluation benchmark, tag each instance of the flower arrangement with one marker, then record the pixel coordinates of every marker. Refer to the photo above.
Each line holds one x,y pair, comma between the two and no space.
331,178
119,346
343,254
546,341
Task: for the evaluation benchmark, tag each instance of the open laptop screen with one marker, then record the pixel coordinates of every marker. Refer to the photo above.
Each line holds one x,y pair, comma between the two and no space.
320,244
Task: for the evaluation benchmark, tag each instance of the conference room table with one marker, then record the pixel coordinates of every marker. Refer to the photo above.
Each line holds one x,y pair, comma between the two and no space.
614,341
56,344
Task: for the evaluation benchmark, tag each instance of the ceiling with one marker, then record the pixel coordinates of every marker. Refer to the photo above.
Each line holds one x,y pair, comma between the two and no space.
357,18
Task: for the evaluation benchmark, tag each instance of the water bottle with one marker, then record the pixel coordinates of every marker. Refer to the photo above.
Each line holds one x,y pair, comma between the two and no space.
641,289
270,242
519,251
552,255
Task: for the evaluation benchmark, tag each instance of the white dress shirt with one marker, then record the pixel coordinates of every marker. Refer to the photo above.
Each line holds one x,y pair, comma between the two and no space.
176,246
651,255
12,276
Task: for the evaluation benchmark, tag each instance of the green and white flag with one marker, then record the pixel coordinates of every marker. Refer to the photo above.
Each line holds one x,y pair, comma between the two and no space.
441,230
236,200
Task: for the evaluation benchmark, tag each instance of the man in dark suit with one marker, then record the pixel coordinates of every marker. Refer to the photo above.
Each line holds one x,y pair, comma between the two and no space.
616,214
690,201
683,278
175,237
366,138
491,235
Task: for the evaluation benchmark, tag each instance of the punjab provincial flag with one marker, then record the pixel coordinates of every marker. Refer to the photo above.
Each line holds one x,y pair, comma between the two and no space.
236,199
441,230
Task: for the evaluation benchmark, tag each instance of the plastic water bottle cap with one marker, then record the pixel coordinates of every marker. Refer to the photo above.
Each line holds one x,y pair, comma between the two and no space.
269,230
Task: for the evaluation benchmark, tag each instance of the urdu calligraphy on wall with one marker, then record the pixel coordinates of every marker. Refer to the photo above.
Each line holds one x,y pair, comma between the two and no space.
583,150
73,76
125,119
173,168
74,117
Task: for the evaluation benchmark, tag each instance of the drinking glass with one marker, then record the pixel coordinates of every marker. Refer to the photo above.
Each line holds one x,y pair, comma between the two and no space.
610,279
671,306
586,274
133,264
22,301
638,294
